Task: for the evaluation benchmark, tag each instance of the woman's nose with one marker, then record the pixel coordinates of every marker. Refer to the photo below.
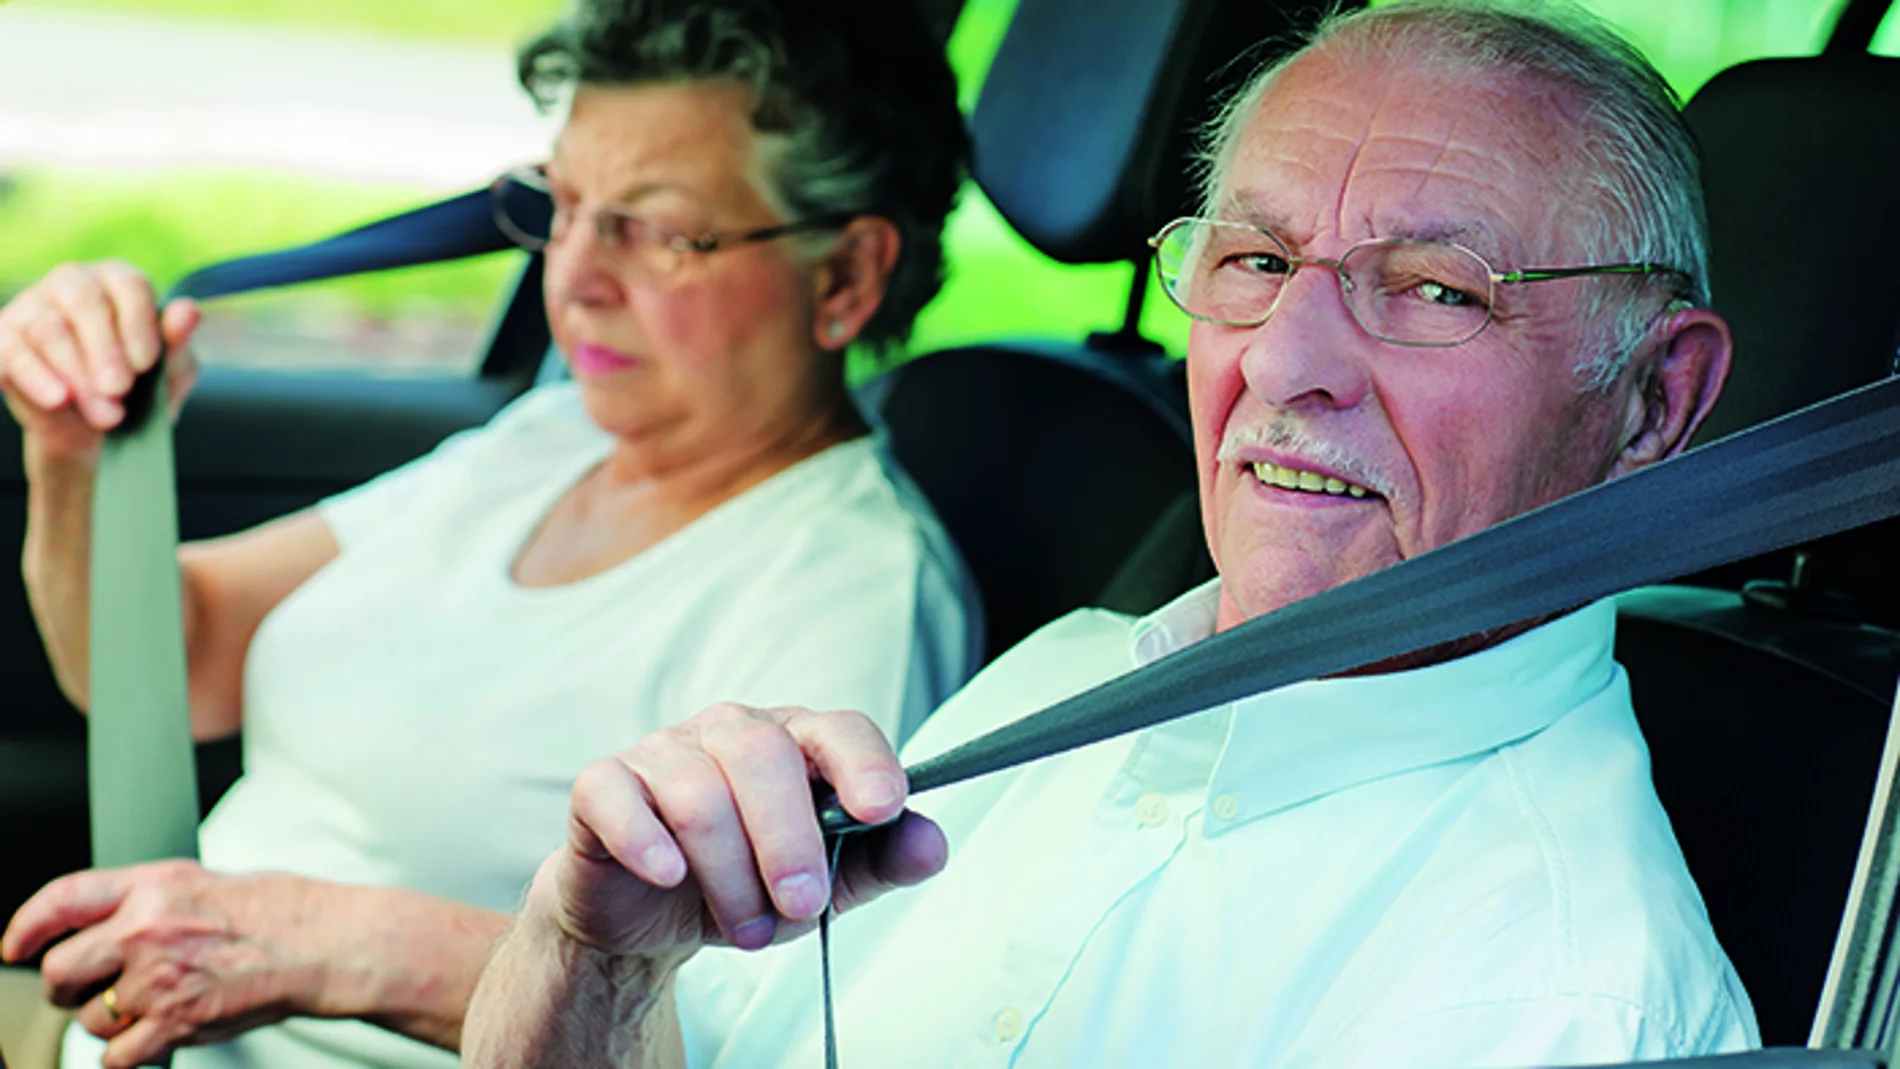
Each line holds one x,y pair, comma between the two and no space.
580,269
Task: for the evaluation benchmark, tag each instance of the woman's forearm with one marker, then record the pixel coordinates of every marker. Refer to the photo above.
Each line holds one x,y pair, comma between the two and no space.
545,1001
57,563
403,960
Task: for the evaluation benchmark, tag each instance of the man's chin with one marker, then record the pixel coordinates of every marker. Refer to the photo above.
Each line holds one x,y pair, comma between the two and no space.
1239,606
1274,580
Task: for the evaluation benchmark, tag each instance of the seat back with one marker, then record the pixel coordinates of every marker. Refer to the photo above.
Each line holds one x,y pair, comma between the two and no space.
1801,158
1047,473
1765,741
1766,708
1053,462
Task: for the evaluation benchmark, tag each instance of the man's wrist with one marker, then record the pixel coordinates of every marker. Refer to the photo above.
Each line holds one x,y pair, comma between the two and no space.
539,930
548,999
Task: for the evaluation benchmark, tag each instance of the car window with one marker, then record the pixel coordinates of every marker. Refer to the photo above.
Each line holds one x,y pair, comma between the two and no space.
1887,40
174,133
256,149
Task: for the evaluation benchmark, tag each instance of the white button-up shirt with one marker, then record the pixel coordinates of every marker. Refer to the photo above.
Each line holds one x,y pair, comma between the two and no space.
1458,865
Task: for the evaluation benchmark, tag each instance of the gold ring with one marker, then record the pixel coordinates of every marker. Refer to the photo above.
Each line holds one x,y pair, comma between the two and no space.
111,1002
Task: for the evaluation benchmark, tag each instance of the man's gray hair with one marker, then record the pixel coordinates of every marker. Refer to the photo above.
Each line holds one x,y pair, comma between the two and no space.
1640,173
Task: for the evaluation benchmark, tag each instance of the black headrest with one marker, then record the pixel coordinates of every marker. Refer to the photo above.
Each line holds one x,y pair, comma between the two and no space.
1801,161
1087,120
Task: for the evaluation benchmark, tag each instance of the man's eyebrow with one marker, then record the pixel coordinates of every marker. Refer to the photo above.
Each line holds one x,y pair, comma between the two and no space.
1253,212
1478,235
1474,234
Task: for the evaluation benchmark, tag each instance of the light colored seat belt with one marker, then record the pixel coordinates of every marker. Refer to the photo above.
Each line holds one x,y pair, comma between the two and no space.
142,780
141,774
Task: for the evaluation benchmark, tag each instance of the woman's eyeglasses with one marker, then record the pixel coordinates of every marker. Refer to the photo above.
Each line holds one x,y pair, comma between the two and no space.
533,217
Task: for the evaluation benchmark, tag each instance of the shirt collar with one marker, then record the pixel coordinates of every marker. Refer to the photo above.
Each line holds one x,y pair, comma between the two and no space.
1180,623
1294,744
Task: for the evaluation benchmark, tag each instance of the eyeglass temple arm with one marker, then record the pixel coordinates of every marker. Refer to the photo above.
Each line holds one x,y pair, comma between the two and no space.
1545,274
828,221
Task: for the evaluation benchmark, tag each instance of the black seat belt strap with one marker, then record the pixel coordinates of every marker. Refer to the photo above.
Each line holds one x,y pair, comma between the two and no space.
1824,469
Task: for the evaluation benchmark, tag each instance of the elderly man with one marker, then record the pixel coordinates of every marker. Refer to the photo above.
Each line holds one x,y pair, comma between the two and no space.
1451,269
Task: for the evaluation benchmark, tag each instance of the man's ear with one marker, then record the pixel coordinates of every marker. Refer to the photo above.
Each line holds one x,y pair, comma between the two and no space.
850,281
1674,388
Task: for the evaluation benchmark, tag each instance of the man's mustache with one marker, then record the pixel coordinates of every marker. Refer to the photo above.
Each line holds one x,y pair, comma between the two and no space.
1286,434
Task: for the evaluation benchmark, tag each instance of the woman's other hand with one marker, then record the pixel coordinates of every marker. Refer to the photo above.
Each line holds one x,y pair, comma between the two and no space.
189,956
705,833
71,346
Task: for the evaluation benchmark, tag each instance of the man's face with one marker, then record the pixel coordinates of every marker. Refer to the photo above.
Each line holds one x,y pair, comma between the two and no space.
1446,441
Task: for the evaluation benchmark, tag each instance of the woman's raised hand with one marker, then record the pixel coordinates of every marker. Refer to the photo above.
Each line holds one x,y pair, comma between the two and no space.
71,346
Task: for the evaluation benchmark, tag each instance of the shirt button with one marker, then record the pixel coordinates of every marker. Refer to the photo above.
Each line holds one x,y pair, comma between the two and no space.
1227,807
1151,810
1009,1023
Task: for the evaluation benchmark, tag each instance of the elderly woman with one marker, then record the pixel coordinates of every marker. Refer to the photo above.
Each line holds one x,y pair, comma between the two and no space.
421,666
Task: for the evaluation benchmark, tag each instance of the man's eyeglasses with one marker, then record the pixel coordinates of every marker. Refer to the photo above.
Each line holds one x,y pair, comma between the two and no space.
1401,290
533,217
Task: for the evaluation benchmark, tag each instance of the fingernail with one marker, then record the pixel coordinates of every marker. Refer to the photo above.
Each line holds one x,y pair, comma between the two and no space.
753,934
800,895
877,791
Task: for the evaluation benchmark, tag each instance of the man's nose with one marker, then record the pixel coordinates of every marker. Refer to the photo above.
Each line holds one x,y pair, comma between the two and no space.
1311,350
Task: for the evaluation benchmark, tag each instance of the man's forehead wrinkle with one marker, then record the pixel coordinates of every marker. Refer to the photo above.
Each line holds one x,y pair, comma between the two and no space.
1366,135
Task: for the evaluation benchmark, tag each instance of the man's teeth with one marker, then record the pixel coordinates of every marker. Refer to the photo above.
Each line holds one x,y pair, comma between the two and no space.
1309,481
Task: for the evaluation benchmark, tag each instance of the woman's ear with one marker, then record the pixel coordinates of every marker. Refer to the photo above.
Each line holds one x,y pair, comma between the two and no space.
850,280
1672,394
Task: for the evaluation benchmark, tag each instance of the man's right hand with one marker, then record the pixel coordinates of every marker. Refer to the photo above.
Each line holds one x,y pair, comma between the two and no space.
705,833
71,346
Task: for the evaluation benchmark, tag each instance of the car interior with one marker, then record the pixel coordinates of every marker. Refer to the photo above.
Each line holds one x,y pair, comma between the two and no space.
1063,467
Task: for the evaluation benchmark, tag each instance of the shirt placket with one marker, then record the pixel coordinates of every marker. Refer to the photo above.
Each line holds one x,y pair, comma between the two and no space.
1139,823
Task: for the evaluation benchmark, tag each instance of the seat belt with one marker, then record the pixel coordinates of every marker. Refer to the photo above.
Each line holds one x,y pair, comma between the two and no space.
142,782
1824,469
1827,468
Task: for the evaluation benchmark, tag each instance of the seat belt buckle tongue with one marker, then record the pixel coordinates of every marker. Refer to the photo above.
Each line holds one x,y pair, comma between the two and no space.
833,821
142,399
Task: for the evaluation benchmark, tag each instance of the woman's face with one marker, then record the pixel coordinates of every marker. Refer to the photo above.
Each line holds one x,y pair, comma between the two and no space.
718,351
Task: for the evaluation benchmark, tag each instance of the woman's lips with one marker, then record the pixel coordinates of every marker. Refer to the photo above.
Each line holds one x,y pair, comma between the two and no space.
600,360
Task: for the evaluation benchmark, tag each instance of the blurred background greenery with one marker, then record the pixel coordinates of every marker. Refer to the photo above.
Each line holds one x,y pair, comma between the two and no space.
169,220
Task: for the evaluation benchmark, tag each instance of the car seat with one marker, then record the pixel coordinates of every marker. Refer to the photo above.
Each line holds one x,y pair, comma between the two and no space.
1801,159
1064,469
1766,707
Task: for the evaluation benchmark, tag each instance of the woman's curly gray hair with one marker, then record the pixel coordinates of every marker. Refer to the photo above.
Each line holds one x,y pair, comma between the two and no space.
860,90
